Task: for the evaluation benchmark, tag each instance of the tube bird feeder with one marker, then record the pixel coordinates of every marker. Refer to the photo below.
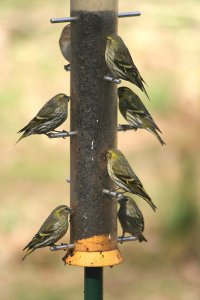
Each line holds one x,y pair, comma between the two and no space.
94,119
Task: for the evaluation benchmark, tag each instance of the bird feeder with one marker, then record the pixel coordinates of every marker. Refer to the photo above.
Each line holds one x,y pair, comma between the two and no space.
93,130
94,118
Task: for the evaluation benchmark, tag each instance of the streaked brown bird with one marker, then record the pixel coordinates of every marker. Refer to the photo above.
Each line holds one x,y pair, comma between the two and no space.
52,230
135,113
122,174
131,218
50,116
120,62
65,43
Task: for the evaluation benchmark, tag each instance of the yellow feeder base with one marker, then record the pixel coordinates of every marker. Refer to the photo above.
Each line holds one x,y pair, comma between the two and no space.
95,259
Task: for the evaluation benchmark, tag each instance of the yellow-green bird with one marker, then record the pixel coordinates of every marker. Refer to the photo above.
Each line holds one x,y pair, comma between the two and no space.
50,116
122,174
135,113
120,62
52,230
131,218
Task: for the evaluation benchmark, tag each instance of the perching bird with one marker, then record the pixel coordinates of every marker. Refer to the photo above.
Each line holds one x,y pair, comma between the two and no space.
135,113
120,63
64,42
122,174
50,116
131,218
52,230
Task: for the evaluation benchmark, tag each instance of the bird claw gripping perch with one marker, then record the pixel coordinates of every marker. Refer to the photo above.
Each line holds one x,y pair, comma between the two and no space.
112,79
70,247
67,67
113,194
122,239
65,256
60,134
125,127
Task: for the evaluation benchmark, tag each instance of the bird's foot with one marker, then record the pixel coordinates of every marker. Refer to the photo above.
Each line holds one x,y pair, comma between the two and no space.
125,127
65,257
69,253
49,134
64,244
121,237
67,67
115,80
118,190
112,79
57,134
64,131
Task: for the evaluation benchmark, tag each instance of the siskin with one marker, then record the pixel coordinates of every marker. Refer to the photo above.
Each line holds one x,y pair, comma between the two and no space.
120,63
131,218
52,230
135,113
50,116
64,42
122,174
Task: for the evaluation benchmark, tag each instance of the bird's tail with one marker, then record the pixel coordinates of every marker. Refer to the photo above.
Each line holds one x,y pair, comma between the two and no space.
157,136
139,82
142,193
141,238
21,137
144,90
151,204
29,251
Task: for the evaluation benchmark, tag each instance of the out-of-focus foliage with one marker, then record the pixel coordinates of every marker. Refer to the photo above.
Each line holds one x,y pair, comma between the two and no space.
164,43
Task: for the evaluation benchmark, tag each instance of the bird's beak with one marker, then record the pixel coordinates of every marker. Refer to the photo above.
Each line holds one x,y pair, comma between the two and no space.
71,211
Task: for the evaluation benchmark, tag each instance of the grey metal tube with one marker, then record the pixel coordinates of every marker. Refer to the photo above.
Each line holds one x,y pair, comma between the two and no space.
94,117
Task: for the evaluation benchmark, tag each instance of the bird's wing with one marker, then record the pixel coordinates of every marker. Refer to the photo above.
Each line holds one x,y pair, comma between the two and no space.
35,122
123,58
127,68
135,110
140,110
124,62
133,102
47,112
49,225
133,222
135,214
138,118
126,174
123,65
144,116
149,123
38,239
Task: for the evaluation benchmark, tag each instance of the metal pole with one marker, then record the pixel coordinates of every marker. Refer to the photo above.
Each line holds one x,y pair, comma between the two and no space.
93,284
74,19
120,240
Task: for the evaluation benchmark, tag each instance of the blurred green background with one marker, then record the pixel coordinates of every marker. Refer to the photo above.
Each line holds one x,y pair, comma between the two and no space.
165,46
